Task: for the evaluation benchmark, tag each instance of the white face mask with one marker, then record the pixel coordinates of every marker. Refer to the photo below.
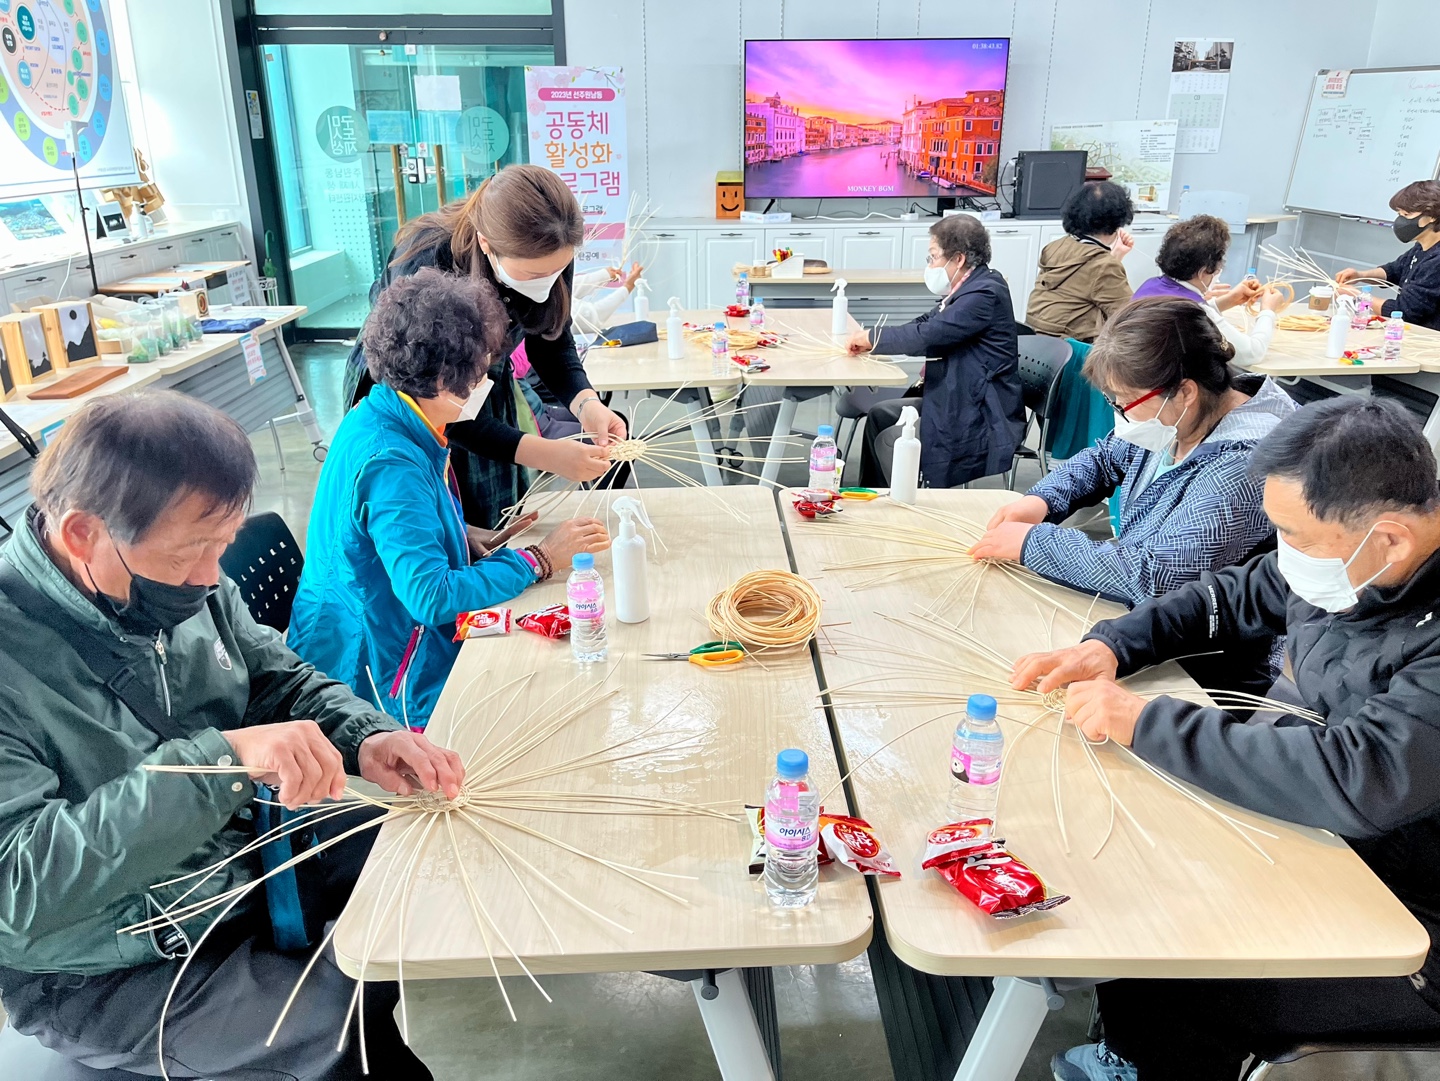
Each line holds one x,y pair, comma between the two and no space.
470,407
536,289
937,280
1325,583
1150,434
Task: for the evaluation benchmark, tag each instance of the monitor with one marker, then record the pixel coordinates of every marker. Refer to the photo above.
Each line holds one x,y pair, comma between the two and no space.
873,118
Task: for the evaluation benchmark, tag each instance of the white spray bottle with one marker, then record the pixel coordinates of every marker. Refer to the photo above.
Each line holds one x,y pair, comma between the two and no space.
905,464
627,558
1342,312
839,309
642,300
675,332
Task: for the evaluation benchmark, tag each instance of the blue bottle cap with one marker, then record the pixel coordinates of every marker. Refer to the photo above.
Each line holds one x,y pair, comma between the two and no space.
791,765
981,707
825,429
719,324
584,561
1397,314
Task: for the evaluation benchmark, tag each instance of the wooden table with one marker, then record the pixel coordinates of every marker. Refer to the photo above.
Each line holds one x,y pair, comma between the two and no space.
1201,903
739,718
167,281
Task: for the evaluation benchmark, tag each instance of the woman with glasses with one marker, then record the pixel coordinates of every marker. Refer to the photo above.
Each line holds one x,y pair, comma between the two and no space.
1185,423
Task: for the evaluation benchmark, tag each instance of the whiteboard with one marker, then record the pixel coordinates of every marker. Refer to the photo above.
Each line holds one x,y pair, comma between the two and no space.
60,90
1365,140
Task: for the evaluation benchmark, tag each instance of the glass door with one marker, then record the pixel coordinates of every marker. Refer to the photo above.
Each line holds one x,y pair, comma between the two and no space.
369,136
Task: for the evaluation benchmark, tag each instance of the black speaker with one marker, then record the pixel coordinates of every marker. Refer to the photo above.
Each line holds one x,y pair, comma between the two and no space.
1044,179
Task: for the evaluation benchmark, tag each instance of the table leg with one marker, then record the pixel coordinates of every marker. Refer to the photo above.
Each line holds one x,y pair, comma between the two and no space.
303,412
733,1030
1013,1017
700,429
783,422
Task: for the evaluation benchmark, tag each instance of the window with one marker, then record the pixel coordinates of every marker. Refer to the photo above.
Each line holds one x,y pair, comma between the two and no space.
969,124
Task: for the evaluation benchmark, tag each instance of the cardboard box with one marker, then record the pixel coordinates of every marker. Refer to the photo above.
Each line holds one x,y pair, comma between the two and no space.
69,331
195,303
729,194
26,353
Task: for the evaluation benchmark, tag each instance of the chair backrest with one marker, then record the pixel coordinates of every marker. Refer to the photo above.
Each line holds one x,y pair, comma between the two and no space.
265,562
1042,359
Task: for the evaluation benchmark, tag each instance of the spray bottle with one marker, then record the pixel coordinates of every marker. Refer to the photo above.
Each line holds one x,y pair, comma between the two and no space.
642,300
905,464
839,309
627,557
675,332
1342,312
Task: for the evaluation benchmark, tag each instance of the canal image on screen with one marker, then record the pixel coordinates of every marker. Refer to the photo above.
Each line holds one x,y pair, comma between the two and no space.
885,118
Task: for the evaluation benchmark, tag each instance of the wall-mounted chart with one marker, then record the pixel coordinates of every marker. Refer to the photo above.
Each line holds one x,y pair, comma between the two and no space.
57,67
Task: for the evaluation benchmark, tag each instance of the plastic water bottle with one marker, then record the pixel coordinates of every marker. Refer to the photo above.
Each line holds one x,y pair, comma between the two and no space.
742,290
585,594
975,758
757,314
792,833
719,349
1394,335
822,458
1364,305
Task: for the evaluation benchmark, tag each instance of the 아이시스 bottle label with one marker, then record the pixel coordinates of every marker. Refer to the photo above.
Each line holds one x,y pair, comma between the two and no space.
972,771
585,601
787,834
822,459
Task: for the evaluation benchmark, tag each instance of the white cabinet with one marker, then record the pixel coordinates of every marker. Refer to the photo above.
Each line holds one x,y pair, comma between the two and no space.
807,241
33,286
720,251
867,249
669,257
915,246
1014,251
167,253
1140,263
226,245
1049,233
196,249
119,265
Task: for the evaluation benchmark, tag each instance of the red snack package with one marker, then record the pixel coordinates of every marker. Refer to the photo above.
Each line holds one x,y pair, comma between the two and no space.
854,843
815,502
552,622
482,623
982,870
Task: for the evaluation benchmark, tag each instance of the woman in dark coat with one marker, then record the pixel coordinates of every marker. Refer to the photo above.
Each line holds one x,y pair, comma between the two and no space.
972,417
518,232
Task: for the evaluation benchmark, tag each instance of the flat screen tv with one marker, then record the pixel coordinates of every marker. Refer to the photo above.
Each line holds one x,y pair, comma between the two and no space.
888,117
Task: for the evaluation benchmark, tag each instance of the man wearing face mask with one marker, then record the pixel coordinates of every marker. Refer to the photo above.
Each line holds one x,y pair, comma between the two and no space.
972,416
388,561
122,646
1355,586
1416,272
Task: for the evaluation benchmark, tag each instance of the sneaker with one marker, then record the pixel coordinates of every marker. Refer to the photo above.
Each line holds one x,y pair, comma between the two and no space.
1091,1062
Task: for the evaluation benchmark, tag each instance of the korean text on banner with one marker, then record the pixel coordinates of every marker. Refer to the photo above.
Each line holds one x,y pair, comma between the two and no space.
577,128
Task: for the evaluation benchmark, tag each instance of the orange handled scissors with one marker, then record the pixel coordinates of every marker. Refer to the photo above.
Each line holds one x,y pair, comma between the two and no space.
706,655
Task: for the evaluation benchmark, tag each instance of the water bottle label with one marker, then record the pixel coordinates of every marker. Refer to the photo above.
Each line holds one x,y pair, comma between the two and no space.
719,346
585,601
787,834
971,771
822,460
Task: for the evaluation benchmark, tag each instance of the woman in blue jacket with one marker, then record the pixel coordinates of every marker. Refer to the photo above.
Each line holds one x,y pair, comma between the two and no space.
387,563
972,416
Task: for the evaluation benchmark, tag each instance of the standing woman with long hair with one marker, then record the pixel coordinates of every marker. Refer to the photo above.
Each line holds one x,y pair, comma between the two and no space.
519,232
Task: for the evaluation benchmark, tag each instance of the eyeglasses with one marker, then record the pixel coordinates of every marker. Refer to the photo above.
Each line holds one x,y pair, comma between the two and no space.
1123,409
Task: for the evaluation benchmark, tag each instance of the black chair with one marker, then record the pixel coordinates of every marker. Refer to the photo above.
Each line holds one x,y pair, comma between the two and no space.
265,562
1042,360
1425,1041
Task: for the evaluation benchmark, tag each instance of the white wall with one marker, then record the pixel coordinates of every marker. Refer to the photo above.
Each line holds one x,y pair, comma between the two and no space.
1070,61
1399,39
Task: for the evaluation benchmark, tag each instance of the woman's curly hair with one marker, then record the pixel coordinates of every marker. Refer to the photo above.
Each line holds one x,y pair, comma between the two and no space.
432,332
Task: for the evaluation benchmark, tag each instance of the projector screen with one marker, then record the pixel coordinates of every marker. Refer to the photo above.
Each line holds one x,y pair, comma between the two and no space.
901,117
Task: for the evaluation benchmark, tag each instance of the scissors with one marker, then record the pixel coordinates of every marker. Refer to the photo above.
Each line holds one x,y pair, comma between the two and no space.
706,655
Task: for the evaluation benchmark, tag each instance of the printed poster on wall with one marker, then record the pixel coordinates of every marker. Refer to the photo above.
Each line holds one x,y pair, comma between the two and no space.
1140,154
1199,84
576,119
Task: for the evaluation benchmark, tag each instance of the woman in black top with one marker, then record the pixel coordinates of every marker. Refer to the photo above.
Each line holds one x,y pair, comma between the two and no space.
1417,271
518,231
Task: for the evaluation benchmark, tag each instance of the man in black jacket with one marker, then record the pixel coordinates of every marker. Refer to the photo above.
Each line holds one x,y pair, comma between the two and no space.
1355,586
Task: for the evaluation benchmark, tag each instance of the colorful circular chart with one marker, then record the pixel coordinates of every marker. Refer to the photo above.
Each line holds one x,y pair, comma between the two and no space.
56,67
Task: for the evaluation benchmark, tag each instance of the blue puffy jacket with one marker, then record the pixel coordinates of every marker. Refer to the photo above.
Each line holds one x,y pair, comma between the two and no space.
387,567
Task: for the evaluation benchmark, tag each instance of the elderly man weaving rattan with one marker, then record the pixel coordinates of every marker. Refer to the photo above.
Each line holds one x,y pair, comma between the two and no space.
122,646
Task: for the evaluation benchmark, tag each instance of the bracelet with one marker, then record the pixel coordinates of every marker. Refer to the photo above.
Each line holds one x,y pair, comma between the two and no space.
586,402
547,568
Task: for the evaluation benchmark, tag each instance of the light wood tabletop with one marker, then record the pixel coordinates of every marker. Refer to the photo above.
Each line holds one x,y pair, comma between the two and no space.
1302,352
736,719
806,326
1199,903
649,367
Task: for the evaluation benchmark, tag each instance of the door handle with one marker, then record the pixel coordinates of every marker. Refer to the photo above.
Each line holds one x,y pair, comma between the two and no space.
667,236
33,281
732,234
797,234
870,232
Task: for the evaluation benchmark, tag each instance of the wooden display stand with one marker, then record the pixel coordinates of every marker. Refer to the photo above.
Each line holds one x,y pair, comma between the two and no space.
69,331
26,351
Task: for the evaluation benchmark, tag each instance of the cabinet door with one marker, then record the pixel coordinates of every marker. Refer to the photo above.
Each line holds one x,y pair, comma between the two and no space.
197,249
117,266
867,249
225,244
168,253
1014,252
1140,263
805,241
720,252
27,287
669,259
916,247
1049,233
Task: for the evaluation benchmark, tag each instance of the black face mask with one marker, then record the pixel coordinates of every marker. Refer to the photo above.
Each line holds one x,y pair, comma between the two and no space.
153,606
1407,229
